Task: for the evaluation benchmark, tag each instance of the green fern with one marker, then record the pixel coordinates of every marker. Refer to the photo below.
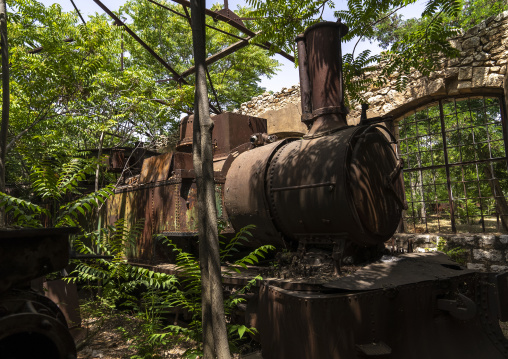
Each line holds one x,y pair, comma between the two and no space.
117,279
69,213
187,296
23,213
56,185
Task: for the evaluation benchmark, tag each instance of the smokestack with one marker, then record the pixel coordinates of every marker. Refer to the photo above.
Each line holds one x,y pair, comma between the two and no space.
321,84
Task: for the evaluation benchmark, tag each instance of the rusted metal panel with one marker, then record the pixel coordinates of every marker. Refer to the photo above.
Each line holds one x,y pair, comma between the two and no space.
132,206
116,207
144,203
502,295
117,160
65,295
156,168
182,161
245,198
26,254
185,142
164,208
232,130
404,320
401,270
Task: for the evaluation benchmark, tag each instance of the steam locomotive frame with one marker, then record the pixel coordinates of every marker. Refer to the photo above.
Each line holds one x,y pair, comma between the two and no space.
337,186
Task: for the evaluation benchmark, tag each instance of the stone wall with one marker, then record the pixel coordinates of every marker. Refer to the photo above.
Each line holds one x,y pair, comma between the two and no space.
477,251
480,69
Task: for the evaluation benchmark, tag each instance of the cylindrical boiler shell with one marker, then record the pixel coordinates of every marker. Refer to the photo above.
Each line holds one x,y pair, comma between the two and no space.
325,188
244,195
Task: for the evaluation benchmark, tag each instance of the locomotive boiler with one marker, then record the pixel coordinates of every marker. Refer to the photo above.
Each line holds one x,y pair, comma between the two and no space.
337,188
337,184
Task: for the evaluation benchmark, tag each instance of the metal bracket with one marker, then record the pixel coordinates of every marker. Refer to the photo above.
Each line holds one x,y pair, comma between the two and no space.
461,308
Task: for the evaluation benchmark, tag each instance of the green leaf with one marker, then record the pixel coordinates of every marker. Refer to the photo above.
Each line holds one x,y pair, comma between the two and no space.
241,330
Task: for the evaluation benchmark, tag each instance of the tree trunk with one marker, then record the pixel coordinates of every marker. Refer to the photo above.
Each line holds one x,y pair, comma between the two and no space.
497,193
5,100
98,168
215,342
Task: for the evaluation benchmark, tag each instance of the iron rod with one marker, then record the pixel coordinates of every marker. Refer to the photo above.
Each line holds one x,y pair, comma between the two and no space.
305,186
141,42
447,169
227,20
219,55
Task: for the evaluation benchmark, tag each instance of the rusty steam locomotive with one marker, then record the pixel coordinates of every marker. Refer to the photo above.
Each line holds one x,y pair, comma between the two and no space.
336,184
336,187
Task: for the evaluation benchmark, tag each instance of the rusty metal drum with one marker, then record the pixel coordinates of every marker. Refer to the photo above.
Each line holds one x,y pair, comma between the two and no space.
343,184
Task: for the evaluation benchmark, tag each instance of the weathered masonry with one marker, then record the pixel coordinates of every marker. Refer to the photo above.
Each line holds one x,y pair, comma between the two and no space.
452,132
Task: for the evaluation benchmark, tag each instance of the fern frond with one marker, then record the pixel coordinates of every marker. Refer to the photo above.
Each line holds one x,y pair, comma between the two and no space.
24,213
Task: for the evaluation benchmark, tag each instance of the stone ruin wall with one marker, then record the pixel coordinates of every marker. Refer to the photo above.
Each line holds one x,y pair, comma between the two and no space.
480,69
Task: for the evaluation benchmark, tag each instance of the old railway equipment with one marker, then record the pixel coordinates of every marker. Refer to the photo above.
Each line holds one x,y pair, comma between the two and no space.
31,325
338,188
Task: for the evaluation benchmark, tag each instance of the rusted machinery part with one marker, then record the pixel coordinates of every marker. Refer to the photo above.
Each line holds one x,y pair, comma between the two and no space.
419,320
404,269
244,195
185,142
318,189
32,326
26,254
324,68
230,131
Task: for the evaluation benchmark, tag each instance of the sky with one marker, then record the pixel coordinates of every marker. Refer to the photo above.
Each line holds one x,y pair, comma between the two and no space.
288,74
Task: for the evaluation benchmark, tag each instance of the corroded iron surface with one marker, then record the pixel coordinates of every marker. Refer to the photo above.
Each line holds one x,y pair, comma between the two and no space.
404,321
318,189
26,254
31,325
400,270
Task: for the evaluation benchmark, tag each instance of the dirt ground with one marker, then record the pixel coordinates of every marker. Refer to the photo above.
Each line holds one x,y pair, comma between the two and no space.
443,225
104,339
114,336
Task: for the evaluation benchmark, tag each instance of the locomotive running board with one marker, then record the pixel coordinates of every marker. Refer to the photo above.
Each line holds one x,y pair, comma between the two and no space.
400,270
427,319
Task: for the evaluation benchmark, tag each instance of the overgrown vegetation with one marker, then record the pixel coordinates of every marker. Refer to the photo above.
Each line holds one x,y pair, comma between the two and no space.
456,253
153,298
55,198
72,82
114,285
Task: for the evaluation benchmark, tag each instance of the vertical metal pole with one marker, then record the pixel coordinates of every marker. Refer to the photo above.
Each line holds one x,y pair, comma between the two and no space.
447,168
504,123
396,146
341,77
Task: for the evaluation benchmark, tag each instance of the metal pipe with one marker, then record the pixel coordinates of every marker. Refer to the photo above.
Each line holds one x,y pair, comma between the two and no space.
304,80
322,42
